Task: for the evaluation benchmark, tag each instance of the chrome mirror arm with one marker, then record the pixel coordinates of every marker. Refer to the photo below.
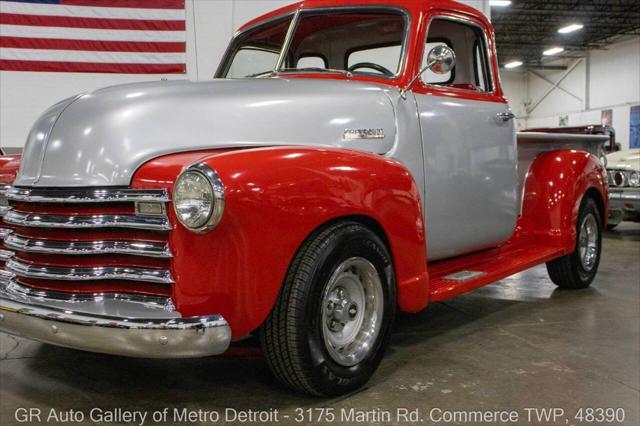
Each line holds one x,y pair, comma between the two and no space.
404,90
439,55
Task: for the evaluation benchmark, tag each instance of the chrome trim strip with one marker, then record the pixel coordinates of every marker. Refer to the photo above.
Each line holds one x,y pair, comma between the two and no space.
6,276
154,223
624,194
4,232
117,327
160,276
85,195
47,295
5,255
137,248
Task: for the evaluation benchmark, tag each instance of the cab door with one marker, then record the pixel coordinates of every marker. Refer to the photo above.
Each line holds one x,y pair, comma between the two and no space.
469,144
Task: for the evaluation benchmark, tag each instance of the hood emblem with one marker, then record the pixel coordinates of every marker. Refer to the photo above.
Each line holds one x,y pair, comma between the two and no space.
357,134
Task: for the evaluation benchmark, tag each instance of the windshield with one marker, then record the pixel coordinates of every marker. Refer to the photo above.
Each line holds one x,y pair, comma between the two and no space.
356,41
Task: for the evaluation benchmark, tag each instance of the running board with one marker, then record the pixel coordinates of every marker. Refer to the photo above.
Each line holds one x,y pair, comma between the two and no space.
452,277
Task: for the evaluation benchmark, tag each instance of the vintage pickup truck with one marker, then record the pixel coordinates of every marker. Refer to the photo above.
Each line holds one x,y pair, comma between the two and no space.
349,160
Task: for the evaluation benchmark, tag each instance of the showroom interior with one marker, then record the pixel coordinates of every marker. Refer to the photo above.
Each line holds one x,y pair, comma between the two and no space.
520,344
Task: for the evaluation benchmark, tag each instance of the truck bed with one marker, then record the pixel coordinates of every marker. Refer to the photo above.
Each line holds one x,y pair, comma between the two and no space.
531,144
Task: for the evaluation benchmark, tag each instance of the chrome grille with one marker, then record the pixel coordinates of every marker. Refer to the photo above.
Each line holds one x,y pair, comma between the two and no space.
140,248
22,269
83,235
19,218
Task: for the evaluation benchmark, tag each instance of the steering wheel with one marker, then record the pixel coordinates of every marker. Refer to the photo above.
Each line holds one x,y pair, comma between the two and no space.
373,66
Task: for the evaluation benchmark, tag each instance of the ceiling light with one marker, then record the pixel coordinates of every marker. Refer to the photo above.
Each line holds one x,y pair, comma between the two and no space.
500,3
570,28
513,64
553,51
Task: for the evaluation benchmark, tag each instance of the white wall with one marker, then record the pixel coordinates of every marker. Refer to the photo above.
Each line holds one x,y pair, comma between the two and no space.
613,77
210,26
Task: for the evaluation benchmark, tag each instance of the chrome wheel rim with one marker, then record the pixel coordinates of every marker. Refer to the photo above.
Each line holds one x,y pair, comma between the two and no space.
588,242
352,309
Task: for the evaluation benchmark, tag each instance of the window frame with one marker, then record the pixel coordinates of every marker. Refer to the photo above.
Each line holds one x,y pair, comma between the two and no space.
295,15
489,77
235,45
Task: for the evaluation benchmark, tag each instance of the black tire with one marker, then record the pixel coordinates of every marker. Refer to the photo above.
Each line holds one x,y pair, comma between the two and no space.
292,337
569,271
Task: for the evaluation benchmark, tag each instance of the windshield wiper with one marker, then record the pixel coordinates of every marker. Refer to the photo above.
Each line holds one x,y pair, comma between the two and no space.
260,74
346,73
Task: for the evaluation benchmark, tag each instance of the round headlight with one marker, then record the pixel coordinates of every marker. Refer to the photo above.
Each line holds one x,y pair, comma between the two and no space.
619,179
198,198
634,179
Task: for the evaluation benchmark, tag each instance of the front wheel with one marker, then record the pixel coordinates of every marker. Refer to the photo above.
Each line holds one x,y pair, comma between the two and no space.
330,326
578,269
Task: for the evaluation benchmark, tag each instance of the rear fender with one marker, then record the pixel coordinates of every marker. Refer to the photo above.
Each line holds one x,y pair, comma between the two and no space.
555,185
275,198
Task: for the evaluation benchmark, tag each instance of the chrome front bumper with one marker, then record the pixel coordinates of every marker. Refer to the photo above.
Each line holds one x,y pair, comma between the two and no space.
128,325
624,204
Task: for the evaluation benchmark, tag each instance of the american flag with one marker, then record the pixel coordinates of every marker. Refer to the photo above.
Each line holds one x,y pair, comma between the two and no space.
105,36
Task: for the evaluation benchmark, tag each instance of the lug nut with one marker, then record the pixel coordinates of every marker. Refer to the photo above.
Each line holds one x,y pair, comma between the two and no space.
353,311
333,325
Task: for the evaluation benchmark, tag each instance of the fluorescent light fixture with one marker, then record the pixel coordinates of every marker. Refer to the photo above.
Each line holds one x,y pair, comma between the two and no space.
570,28
513,64
553,51
500,3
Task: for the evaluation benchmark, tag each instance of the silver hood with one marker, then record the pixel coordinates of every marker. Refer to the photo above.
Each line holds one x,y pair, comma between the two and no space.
102,138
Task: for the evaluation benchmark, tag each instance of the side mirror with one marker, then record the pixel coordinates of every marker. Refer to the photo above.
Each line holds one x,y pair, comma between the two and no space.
440,60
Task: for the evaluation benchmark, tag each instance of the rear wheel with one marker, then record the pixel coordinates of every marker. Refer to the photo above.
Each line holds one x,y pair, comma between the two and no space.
578,269
331,323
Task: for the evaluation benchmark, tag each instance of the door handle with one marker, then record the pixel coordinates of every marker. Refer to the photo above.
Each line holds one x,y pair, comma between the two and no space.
505,116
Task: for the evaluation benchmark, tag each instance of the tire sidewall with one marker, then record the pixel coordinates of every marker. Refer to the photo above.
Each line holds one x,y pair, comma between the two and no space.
587,207
358,241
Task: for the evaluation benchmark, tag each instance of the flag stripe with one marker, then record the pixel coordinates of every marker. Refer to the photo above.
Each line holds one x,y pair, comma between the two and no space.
85,56
10,65
102,36
91,12
105,24
155,4
93,45
96,23
90,34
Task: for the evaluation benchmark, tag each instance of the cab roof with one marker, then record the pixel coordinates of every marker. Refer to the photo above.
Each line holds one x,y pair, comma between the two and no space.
413,6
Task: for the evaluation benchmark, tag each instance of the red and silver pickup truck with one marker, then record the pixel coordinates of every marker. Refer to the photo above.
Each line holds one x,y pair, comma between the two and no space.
351,159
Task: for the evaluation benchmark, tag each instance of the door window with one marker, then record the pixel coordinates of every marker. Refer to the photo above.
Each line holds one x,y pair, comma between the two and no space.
468,42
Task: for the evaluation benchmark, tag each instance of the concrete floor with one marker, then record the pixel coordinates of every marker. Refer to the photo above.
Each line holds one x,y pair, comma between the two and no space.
521,343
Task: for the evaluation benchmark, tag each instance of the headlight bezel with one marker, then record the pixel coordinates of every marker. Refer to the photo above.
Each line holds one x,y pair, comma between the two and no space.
216,186
624,178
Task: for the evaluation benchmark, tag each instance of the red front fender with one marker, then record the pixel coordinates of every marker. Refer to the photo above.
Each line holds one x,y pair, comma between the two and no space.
9,166
274,199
